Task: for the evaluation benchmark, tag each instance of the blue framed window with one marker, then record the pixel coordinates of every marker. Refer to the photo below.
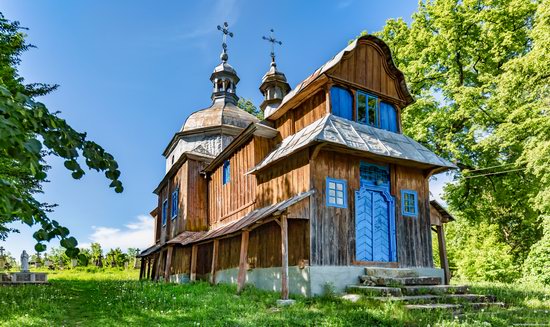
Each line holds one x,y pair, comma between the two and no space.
367,109
175,204
164,211
337,193
409,203
226,172
342,102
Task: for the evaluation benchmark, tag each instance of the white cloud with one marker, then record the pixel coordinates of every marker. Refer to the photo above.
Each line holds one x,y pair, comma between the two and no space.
136,234
344,4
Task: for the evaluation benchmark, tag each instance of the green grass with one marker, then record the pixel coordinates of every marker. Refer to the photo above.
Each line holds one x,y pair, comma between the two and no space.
117,298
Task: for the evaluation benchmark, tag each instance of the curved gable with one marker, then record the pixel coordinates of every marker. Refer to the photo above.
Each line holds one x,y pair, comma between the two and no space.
369,65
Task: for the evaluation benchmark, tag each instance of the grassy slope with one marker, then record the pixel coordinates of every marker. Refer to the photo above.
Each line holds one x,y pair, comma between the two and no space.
116,298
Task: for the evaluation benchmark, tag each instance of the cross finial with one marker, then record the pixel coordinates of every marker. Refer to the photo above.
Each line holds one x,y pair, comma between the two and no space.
271,39
225,30
1,251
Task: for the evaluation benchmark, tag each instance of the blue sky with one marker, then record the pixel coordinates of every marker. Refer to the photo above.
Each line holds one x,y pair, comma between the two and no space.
130,72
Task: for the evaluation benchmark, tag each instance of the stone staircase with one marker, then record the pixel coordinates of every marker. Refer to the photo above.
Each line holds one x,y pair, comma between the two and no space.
416,292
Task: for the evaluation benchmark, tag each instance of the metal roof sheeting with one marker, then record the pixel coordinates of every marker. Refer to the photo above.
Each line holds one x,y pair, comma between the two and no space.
340,131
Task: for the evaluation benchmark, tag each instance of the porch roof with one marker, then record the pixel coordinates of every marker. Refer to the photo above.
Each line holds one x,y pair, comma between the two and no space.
150,250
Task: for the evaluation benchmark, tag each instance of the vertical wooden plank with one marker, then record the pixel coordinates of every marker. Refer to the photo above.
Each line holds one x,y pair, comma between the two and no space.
141,269
284,257
443,253
168,263
149,267
193,270
214,261
157,271
241,278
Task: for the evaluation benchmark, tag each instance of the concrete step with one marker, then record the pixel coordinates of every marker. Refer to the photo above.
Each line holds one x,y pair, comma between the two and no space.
373,290
448,298
390,272
485,305
398,281
434,289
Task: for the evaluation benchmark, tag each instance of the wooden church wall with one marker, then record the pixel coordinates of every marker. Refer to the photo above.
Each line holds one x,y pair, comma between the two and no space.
333,229
236,198
181,260
193,202
303,115
414,239
284,179
367,67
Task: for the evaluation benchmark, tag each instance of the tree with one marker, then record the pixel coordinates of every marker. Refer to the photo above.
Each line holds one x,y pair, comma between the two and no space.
116,258
537,264
96,254
29,132
479,72
248,106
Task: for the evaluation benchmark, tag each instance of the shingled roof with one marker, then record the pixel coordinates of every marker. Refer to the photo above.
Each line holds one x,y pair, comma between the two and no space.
340,131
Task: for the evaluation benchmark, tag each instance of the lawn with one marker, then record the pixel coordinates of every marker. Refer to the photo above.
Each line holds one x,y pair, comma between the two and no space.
117,298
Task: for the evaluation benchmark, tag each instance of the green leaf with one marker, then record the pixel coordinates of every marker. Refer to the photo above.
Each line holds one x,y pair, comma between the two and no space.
39,247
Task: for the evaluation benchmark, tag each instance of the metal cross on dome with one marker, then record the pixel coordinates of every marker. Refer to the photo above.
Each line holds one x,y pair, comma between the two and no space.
225,30
1,251
271,39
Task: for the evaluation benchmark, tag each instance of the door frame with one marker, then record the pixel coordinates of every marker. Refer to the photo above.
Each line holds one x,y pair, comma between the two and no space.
393,263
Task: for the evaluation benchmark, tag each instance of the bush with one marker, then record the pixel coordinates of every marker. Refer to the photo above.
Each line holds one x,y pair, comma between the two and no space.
537,265
478,253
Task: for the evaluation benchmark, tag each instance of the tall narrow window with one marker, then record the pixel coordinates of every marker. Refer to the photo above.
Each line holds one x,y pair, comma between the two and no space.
175,203
342,102
367,109
336,193
409,203
164,211
226,172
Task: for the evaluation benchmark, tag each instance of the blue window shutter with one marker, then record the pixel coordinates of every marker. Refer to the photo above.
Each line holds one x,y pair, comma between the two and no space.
335,100
342,102
388,117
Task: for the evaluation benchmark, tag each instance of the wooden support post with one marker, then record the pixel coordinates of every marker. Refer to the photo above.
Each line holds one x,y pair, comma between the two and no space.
168,263
149,267
443,254
142,269
241,278
193,268
157,269
284,257
214,262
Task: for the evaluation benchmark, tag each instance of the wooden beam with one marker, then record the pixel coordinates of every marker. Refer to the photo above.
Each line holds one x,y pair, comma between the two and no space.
241,279
284,256
214,262
157,270
168,264
193,268
142,268
443,254
149,267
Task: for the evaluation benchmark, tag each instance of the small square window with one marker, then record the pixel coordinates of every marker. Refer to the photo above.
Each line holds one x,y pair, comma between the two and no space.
336,193
409,203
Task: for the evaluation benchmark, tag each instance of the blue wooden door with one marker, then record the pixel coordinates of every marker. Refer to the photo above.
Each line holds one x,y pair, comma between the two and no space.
374,225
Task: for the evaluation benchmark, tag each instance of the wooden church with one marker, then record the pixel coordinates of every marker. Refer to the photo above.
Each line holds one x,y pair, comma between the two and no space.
323,187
